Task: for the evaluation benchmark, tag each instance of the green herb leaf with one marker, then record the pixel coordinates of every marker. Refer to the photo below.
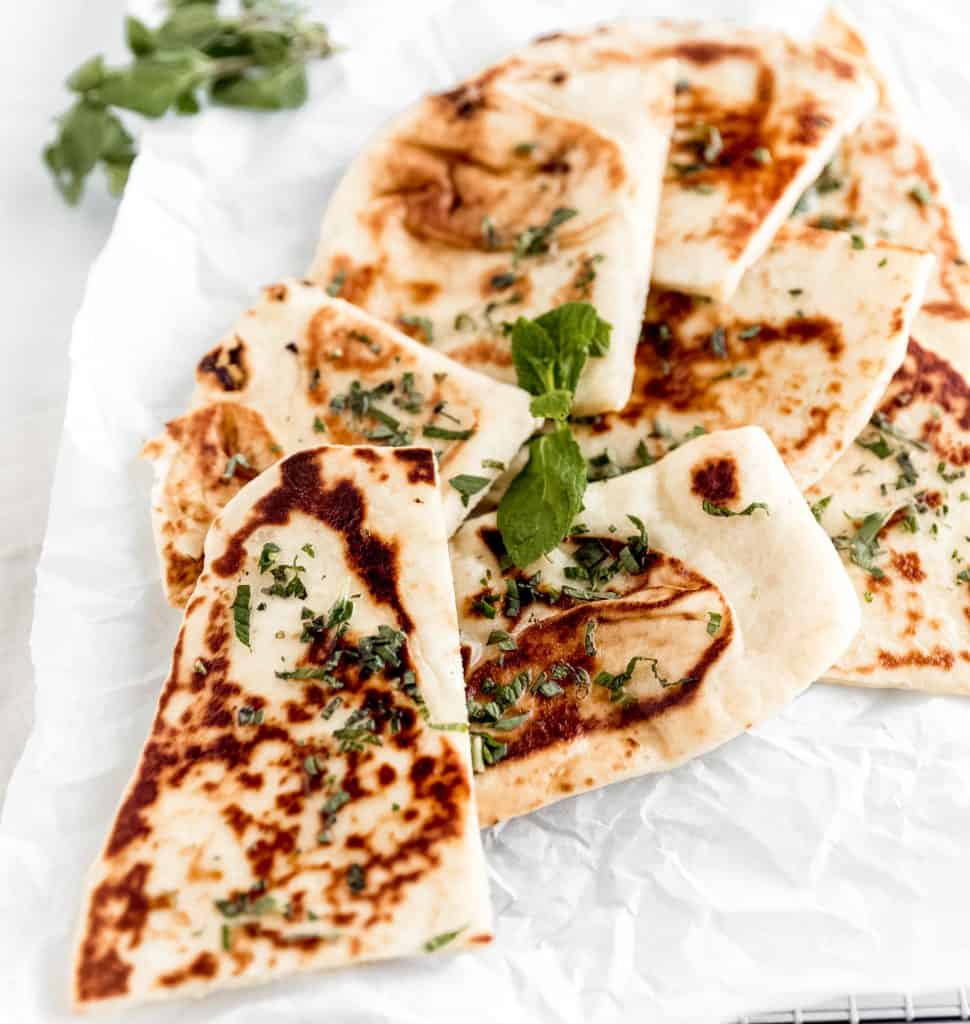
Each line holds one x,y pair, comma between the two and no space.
446,433
550,352
544,499
553,405
468,486
720,510
713,623
240,613
422,323
819,507
441,940
255,59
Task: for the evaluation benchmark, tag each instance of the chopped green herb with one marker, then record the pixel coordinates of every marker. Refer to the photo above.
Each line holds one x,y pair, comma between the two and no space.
881,422
356,878
468,486
240,613
750,332
236,460
441,940
336,283
484,607
950,477
713,509
537,240
858,242
249,716
920,193
713,623
589,639
880,447
319,427
445,433
717,342
732,374
819,507
420,323
501,639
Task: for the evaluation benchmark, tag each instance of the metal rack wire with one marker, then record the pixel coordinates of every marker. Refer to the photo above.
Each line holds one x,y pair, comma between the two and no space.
949,1005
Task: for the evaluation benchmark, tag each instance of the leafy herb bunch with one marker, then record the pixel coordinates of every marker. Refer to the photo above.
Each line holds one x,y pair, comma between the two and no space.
254,59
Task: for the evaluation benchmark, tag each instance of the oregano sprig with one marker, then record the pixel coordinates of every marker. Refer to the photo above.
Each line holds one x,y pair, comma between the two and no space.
255,59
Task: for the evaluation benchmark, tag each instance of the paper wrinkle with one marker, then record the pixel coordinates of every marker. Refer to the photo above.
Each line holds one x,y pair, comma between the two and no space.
820,853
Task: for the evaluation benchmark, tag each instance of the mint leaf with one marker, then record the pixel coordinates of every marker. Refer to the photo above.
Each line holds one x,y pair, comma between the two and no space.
280,89
549,354
87,76
139,37
253,57
578,323
152,84
544,499
553,405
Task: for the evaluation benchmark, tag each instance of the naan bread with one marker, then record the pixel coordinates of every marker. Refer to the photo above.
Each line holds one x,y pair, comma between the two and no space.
756,118
804,349
301,368
280,825
526,187
915,631
732,617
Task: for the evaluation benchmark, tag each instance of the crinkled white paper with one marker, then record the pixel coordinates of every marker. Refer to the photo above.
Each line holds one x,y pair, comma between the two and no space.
828,851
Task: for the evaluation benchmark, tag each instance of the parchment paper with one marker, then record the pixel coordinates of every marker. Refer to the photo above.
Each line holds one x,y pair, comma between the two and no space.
823,853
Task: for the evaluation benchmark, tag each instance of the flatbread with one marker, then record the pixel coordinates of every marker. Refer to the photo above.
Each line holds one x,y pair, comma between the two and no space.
451,221
300,368
916,609
740,614
757,115
804,349
271,828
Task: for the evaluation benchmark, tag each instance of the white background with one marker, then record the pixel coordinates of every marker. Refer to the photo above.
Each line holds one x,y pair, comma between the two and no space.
47,249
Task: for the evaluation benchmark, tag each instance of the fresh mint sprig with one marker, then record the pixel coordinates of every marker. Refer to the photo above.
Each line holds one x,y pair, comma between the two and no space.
256,59
549,354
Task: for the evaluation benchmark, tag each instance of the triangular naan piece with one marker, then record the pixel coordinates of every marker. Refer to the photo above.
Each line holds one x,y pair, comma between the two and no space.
301,368
304,798
757,115
898,503
519,190
606,660
804,349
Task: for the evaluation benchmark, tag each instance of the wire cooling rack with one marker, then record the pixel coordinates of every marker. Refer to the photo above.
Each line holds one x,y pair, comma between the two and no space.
949,1005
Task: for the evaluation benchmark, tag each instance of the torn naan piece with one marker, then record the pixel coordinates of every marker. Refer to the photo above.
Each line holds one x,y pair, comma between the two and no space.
304,798
757,116
804,349
898,502
695,598
513,193
301,368
882,184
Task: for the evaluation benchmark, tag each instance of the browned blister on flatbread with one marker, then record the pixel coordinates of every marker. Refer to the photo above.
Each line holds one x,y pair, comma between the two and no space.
303,799
301,368
694,598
